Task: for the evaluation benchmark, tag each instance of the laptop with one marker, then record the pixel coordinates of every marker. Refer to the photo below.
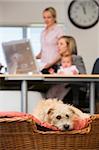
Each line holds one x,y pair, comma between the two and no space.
19,57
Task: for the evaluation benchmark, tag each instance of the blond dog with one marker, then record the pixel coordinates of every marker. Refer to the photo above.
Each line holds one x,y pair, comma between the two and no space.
58,114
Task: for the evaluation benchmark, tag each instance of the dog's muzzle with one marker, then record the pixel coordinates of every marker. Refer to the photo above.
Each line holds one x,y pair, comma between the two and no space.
66,127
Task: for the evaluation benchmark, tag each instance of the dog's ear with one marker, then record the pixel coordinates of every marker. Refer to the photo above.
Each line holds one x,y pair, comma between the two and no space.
75,110
72,110
50,111
49,115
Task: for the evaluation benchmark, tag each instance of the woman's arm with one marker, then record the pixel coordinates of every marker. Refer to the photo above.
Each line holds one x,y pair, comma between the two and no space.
48,65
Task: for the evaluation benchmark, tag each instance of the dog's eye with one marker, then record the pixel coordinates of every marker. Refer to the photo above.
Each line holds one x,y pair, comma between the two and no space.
58,117
67,115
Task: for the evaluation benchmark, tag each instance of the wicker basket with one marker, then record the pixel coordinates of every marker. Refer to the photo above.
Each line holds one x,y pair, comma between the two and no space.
20,133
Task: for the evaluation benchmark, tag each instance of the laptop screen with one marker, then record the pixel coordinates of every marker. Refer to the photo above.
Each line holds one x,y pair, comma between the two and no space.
19,57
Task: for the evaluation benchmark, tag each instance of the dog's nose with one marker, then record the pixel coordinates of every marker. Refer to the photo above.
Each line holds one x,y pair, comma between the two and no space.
66,126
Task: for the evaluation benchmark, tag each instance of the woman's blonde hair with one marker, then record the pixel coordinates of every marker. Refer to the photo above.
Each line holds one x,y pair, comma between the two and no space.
73,45
52,11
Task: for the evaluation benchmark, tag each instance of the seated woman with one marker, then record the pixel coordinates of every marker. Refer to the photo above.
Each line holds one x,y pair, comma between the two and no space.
72,46
67,45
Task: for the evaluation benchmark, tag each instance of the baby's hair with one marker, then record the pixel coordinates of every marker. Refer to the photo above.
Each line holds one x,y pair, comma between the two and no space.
52,11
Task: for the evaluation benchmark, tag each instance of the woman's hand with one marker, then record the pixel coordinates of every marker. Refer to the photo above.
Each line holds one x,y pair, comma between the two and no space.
38,56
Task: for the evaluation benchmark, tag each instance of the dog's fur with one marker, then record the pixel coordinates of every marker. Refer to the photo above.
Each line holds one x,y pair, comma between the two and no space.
58,114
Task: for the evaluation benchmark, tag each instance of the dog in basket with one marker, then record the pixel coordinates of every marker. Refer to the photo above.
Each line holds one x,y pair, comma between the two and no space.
63,116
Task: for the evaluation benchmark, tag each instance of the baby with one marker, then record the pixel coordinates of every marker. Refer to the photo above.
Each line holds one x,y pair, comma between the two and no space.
66,67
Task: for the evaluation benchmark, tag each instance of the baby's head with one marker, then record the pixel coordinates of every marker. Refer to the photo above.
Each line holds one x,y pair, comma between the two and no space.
66,61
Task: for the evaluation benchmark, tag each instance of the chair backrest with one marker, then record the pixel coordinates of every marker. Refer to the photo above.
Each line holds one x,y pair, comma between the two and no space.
95,69
78,61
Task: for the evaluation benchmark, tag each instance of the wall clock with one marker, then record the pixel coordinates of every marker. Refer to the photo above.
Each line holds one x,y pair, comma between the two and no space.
83,14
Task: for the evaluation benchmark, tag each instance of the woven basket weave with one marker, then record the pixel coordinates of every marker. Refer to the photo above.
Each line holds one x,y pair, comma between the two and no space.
20,133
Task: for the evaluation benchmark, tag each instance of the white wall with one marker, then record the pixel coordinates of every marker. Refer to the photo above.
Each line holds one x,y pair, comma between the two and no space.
25,12
30,11
11,100
1,13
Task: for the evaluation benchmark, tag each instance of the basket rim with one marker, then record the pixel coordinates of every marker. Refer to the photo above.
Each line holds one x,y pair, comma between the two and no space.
29,118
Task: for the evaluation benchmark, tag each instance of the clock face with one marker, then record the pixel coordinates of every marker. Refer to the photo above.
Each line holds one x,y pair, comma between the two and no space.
83,13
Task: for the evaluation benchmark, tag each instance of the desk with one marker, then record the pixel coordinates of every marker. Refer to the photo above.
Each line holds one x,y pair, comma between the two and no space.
91,79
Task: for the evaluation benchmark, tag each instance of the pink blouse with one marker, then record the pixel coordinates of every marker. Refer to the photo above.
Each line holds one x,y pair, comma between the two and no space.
68,70
49,44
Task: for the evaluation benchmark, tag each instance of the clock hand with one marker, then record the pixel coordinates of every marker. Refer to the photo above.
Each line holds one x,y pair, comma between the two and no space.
83,7
84,10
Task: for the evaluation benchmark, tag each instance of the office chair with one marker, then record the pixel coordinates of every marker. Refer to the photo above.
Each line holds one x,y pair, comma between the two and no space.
95,70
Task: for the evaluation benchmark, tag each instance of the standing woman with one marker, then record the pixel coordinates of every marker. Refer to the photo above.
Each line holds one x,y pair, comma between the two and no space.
49,54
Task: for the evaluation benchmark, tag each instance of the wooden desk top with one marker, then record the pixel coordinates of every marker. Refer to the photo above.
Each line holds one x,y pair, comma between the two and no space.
51,77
